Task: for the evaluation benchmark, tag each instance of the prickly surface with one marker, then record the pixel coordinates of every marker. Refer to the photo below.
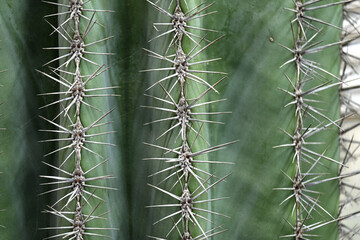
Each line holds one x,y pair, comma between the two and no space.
79,192
309,212
187,181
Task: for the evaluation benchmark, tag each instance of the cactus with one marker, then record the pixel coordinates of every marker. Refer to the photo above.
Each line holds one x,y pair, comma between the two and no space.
306,157
186,172
77,175
173,108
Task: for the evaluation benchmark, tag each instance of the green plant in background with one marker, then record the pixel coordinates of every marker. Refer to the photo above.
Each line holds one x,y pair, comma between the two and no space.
252,57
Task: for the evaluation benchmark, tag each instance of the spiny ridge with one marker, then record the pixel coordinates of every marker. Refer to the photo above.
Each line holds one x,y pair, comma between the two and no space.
185,171
311,80
76,187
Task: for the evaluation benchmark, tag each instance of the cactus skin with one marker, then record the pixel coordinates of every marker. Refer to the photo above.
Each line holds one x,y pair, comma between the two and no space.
20,54
77,181
259,125
252,60
308,212
187,180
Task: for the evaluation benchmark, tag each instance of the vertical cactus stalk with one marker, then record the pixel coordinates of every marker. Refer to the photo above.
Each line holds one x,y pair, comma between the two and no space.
75,74
187,173
349,191
311,80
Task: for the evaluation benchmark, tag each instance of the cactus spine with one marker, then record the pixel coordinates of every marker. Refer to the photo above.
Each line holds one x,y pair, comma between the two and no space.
74,207
311,79
193,180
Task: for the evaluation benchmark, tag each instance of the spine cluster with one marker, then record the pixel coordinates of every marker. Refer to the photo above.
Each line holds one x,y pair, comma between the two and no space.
75,189
311,80
185,171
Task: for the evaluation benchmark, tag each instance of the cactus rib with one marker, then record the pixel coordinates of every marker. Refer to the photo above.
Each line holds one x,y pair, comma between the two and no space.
184,165
307,201
74,30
